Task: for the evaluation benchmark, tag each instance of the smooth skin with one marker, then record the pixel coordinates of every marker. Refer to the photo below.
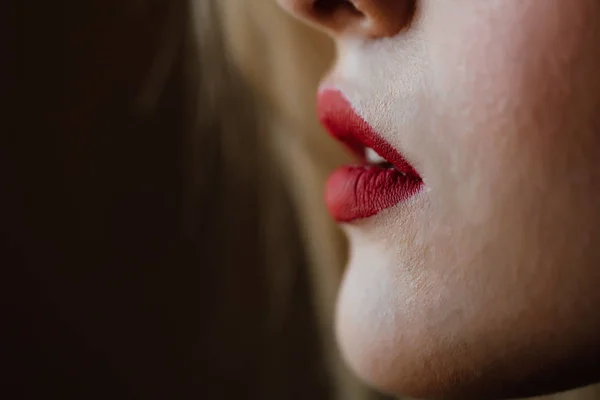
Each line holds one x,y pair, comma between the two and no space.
486,284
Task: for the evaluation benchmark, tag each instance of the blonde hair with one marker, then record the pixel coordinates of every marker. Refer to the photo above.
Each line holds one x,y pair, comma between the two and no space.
283,62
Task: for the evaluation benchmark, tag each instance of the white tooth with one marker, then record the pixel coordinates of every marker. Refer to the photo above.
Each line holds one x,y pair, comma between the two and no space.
372,157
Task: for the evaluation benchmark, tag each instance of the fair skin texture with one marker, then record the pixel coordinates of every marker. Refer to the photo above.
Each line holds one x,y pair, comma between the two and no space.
485,284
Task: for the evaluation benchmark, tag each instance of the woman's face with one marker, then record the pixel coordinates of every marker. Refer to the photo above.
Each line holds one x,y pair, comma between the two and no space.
476,274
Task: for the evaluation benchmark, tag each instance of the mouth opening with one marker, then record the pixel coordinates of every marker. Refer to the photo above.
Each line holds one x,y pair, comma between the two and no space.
370,158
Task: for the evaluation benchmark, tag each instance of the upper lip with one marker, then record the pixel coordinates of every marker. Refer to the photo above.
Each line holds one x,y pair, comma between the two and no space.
343,123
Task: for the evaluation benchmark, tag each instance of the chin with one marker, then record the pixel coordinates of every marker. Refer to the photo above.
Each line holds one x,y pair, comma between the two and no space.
402,355
379,327
408,332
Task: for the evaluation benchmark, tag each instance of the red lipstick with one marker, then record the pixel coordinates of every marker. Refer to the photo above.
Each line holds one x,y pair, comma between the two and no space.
355,192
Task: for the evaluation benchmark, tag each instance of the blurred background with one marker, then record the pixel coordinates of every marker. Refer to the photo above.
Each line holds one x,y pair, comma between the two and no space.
163,232
163,229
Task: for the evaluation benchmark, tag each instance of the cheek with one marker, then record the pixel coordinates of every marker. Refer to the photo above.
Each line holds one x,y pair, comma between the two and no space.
514,93
472,97
498,86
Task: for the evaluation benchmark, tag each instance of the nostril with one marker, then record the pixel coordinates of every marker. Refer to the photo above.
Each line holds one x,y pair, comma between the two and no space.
362,18
328,7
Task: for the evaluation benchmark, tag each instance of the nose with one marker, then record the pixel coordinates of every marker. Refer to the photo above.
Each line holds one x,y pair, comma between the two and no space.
366,18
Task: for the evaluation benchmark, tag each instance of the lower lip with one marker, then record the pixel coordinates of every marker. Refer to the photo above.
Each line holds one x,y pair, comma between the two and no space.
356,192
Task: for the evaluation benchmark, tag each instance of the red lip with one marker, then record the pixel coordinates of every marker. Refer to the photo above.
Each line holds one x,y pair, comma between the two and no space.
355,192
